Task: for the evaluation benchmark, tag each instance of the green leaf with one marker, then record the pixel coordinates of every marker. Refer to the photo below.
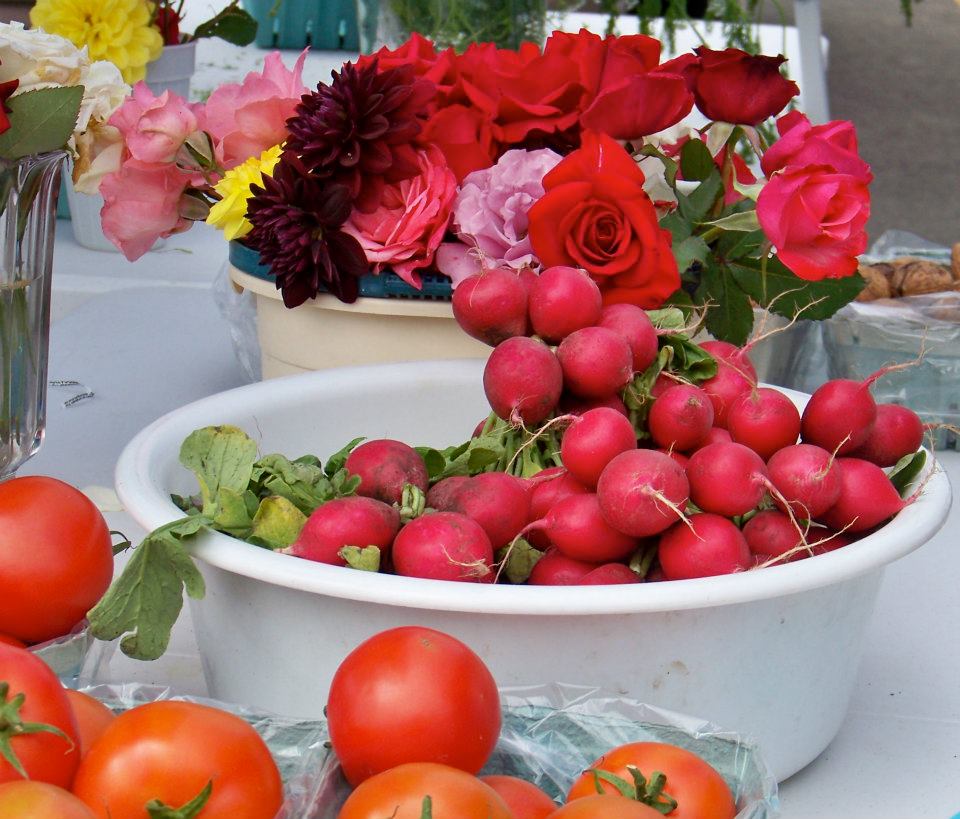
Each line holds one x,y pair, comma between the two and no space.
695,206
434,460
471,458
145,601
730,314
232,515
678,227
690,250
907,470
734,244
41,121
221,457
696,163
670,166
745,221
336,461
277,523
520,557
302,482
366,559
670,318
783,293
233,24
689,359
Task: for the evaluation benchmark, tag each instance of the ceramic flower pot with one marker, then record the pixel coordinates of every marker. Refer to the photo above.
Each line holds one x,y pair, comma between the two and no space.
325,332
173,70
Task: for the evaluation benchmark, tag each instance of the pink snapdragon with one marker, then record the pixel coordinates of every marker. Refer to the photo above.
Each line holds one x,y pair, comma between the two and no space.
404,232
247,118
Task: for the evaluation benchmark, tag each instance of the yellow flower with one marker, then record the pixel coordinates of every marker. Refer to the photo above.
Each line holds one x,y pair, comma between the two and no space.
230,213
120,31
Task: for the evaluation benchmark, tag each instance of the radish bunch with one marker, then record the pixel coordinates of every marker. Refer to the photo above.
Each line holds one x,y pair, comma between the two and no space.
616,452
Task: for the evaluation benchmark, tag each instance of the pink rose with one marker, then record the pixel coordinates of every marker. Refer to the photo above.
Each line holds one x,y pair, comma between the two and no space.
405,230
800,144
141,204
154,128
492,206
246,119
815,218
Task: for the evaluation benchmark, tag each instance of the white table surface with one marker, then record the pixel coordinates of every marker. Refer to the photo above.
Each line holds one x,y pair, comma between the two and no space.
147,338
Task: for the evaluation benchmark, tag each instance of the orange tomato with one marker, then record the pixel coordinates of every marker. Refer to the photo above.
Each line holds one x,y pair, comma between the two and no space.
399,793
93,718
699,790
526,800
28,799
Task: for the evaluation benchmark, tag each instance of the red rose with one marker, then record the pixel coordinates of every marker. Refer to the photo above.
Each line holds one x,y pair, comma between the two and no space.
6,90
464,135
420,53
639,105
604,62
815,218
736,87
801,144
596,215
537,93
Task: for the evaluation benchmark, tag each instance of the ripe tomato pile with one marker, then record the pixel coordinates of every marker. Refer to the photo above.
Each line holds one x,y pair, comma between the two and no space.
65,755
414,716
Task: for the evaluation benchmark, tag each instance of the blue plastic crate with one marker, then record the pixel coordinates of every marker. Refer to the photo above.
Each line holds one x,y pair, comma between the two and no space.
325,24
384,285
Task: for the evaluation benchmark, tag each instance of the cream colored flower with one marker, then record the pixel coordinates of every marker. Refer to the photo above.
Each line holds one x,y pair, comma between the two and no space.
99,151
103,92
230,213
120,31
39,59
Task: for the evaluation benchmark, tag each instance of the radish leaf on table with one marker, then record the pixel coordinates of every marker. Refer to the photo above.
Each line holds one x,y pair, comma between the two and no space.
907,470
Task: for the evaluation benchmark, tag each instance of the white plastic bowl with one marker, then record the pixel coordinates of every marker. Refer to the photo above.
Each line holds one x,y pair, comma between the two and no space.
770,653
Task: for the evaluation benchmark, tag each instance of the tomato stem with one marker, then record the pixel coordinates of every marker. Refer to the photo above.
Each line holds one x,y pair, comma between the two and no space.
157,810
649,792
426,809
12,726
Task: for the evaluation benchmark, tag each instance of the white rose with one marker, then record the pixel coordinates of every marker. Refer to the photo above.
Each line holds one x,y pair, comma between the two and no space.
38,59
103,92
99,152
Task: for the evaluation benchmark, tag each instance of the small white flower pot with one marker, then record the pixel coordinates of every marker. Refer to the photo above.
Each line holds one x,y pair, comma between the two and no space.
173,69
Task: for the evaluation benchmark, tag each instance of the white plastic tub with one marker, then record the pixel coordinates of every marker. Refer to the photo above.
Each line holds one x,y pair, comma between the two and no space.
771,653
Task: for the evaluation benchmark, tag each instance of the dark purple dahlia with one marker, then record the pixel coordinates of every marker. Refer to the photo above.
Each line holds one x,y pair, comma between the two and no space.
358,131
296,220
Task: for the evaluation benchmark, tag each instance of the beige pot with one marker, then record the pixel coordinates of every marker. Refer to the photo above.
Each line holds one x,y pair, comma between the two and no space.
325,332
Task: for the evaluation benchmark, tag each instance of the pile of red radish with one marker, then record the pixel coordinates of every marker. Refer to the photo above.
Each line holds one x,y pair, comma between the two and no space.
710,478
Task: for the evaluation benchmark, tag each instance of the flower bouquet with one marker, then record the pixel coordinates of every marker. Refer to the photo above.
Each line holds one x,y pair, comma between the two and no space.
416,160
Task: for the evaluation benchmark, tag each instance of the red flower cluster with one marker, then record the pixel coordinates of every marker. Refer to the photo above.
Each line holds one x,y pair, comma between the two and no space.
6,91
490,100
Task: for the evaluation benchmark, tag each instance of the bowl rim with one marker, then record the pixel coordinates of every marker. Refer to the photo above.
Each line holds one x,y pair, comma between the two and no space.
150,505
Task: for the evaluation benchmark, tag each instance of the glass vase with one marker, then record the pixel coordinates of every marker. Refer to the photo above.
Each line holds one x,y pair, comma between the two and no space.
28,215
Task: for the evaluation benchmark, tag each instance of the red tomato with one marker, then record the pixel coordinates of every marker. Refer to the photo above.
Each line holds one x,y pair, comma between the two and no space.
27,799
525,800
12,641
56,558
170,751
606,806
399,794
93,718
45,756
412,694
699,790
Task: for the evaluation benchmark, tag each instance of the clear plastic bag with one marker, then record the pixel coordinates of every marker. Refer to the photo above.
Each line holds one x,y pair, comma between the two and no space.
551,733
297,745
77,657
239,309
